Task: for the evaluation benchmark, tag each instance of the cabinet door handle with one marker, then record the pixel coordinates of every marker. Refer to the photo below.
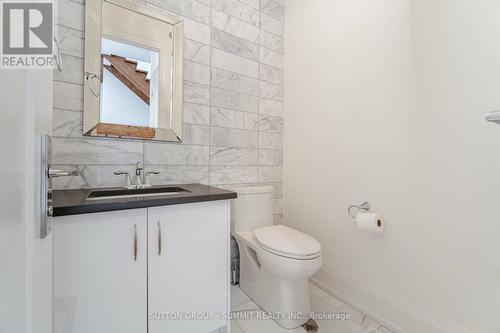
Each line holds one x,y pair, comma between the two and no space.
159,238
135,242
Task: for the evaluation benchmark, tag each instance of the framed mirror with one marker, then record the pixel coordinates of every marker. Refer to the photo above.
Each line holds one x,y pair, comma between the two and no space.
133,72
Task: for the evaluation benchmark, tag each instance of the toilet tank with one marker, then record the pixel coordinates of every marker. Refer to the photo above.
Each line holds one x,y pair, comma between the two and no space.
252,209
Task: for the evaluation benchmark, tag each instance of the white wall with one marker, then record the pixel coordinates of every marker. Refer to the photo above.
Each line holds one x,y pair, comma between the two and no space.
120,105
385,102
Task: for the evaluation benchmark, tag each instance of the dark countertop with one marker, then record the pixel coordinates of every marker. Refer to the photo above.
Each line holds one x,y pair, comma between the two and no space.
73,202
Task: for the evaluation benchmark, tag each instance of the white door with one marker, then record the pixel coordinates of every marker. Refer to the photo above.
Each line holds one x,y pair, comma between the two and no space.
188,266
100,273
25,258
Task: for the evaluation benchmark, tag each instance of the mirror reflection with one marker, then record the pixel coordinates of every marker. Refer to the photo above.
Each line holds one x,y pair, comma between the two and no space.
129,91
133,72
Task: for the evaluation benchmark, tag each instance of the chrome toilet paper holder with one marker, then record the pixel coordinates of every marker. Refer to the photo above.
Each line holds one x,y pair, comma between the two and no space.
365,206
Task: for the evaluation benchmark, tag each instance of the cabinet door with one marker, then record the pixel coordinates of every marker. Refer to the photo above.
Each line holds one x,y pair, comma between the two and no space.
100,272
188,266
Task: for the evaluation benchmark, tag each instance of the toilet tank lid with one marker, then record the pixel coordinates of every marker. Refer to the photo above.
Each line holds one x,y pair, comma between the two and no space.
288,241
252,189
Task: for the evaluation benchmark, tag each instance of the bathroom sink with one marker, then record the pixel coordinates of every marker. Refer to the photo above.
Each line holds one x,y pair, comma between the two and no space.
134,193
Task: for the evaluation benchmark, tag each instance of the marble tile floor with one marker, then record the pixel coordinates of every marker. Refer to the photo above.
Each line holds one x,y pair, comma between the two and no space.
321,302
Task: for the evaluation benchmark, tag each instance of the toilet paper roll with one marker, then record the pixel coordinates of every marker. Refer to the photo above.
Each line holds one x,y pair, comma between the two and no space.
372,223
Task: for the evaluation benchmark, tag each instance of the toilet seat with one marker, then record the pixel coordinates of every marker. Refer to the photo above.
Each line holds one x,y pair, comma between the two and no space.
287,242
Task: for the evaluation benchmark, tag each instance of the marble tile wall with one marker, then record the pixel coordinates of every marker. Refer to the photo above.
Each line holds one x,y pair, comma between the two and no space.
233,101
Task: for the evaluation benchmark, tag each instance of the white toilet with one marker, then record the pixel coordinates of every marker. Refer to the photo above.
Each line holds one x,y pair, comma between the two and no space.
275,261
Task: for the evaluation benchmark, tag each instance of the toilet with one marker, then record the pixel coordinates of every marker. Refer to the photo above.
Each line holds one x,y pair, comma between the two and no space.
275,261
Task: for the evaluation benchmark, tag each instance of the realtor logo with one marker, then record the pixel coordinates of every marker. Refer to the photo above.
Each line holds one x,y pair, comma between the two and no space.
27,34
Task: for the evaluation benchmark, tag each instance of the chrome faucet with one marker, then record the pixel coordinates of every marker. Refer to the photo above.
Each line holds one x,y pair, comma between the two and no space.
141,180
138,174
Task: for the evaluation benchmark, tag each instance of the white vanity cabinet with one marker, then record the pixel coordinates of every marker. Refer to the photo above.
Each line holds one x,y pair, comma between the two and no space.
100,272
142,270
188,265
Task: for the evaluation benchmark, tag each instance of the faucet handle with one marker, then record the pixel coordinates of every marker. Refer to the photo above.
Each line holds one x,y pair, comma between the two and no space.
119,173
147,182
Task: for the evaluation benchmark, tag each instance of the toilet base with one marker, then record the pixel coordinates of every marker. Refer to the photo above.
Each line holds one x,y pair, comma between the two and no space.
285,300
282,295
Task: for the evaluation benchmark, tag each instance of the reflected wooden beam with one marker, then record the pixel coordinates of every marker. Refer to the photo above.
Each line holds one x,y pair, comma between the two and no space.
114,130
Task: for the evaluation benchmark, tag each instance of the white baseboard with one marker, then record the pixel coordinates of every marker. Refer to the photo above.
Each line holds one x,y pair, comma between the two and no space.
381,305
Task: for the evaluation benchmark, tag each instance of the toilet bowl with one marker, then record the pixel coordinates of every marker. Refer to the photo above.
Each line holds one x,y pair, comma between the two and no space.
275,261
